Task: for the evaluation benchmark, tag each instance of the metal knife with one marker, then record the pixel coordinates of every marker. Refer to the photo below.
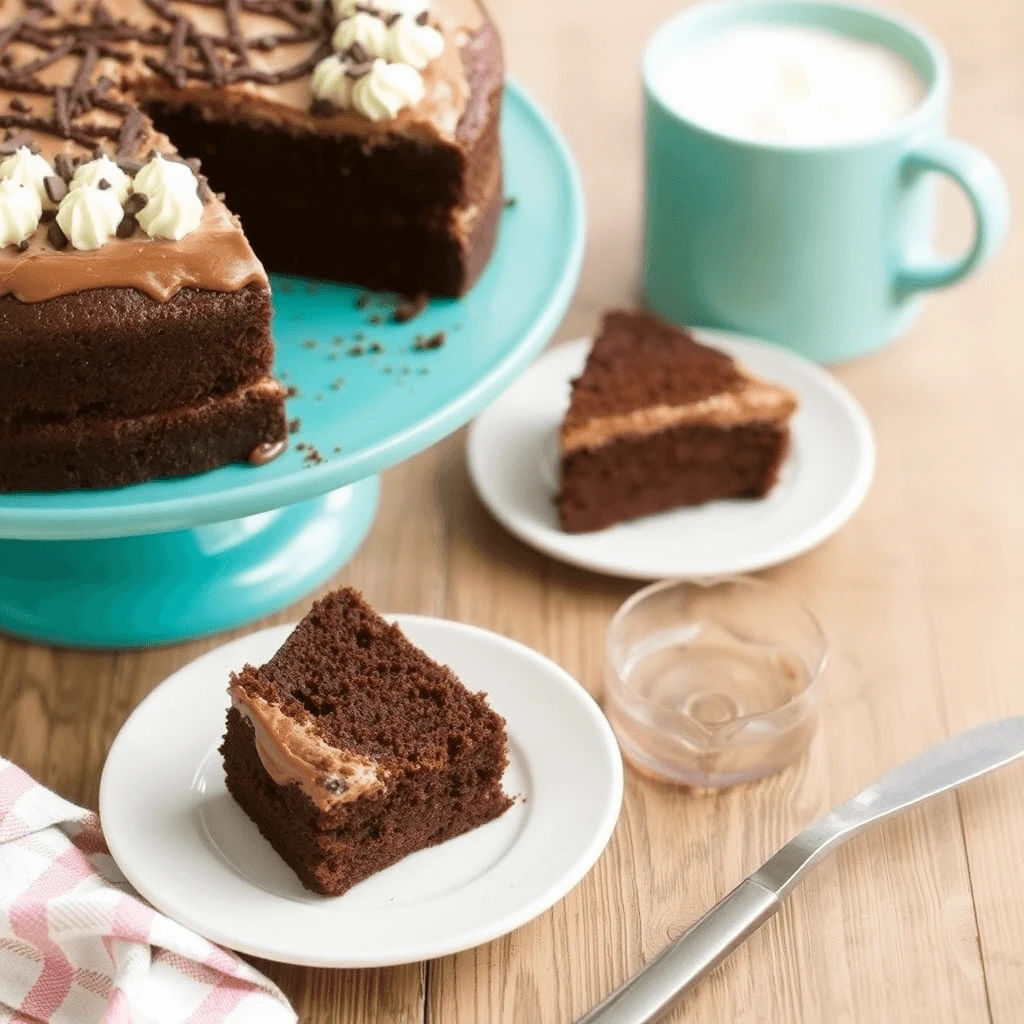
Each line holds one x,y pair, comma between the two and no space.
654,988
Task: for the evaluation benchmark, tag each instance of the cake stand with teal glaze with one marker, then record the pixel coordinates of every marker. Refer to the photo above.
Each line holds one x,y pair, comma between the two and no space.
160,562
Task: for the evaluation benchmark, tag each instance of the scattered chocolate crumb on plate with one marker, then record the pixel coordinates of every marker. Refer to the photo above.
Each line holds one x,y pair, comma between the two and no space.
409,309
426,344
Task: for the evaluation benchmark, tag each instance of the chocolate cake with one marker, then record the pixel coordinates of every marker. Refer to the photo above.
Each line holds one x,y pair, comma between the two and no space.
657,421
351,748
359,141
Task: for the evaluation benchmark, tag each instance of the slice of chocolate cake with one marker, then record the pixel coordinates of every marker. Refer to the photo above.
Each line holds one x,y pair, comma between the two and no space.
657,421
351,748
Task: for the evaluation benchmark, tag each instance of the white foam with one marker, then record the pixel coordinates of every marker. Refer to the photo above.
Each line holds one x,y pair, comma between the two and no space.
790,85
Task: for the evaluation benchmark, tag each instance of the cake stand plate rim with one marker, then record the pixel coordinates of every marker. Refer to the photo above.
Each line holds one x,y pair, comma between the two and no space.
171,506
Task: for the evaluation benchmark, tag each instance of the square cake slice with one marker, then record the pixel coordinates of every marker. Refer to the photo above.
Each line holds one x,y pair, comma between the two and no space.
657,421
351,748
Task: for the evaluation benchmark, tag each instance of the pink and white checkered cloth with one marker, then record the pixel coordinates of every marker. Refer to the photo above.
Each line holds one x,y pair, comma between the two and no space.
77,946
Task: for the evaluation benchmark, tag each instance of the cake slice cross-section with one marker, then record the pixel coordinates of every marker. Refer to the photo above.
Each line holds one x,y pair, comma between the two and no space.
351,748
658,420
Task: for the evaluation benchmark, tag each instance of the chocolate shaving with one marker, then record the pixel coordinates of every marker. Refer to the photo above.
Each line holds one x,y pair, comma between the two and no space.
18,104
37,65
103,184
127,136
63,166
78,95
55,236
56,188
358,53
127,226
422,18
60,111
213,64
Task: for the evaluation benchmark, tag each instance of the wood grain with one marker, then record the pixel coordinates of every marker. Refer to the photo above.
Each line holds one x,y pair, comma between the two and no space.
922,597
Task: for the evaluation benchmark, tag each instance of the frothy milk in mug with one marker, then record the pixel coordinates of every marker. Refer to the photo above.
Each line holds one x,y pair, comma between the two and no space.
791,85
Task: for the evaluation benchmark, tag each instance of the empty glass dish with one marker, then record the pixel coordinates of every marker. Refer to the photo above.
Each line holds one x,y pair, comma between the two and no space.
713,682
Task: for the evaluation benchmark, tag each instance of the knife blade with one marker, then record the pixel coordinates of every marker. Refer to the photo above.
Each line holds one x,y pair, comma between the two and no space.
702,947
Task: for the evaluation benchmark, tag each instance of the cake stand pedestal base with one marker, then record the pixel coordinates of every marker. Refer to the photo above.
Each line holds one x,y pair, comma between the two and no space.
166,587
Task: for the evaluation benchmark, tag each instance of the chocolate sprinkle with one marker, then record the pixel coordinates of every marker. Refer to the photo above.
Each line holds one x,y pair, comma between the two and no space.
103,184
55,236
56,187
135,202
63,166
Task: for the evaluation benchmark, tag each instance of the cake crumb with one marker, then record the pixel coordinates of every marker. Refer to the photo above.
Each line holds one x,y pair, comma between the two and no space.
337,384
511,202
377,347
364,300
409,309
425,344
312,457
375,319
295,425
292,392
310,343
356,350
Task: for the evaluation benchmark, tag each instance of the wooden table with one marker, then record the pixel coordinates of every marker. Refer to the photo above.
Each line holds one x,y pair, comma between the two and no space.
922,596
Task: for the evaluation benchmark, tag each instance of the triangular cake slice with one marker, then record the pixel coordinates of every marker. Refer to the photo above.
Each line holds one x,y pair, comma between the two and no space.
351,748
657,421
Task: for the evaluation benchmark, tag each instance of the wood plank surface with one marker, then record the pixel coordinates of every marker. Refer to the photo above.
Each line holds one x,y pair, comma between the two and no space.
922,597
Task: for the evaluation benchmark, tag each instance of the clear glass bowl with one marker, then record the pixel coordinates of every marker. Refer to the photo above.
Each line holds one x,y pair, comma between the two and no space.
713,682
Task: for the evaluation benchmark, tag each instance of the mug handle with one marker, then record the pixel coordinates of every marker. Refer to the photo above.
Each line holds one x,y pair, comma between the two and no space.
984,187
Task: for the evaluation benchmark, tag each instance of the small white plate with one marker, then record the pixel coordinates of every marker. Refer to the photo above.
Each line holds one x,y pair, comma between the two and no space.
190,850
513,461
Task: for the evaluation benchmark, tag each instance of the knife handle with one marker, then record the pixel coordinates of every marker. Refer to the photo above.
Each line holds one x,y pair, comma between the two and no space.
692,955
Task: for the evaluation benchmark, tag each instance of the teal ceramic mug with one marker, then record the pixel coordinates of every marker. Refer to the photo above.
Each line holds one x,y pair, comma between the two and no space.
823,249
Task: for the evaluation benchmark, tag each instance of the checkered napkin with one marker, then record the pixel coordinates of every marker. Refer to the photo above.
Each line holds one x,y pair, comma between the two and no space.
78,947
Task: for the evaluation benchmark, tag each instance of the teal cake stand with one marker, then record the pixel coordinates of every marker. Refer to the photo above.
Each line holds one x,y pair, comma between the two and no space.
164,561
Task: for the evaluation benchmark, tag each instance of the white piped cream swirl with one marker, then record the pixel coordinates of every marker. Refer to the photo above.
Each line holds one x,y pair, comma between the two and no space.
409,42
412,8
102,169
172,212
160,174
330,82
386,89
365,29
89,216
20,210
29,169
173,208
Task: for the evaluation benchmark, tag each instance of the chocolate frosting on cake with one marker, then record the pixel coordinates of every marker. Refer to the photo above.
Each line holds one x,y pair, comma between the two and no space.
76,74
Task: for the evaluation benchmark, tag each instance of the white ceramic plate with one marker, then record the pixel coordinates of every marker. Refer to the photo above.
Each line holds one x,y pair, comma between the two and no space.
513,461
191,851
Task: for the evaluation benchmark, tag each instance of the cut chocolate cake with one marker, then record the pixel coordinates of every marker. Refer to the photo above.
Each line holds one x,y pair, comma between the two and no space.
358,139
351,748
657,421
